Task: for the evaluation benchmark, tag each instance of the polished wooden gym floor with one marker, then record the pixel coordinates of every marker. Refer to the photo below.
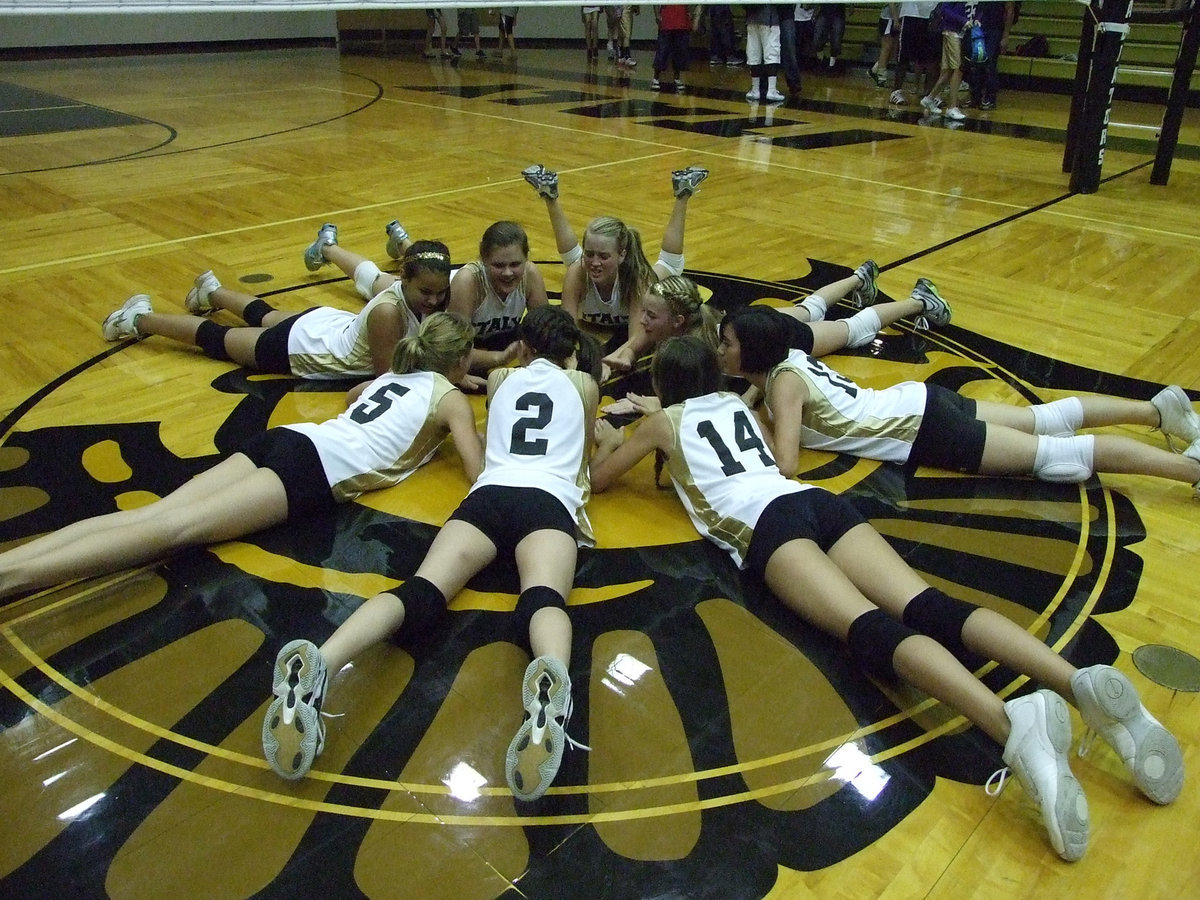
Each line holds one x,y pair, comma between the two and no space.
735,752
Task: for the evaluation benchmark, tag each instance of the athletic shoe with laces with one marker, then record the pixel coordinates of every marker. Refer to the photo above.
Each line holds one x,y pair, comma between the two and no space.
197,301
897,97
1176,417
543,180
1036,752
396,236
752,96
1109,705
955,113
122,323
679,85
933,105
654,85
313,257
293,734
536,751
685,182
864,295
775,97
935,311
880,78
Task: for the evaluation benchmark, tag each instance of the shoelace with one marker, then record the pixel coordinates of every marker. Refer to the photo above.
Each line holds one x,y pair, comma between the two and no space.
571,742
1000,777
1085,742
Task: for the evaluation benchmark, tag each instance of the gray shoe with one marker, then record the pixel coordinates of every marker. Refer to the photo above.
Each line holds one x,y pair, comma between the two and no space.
935,311
865,294
197,301
536,751
1036,752
122,323
1176,417
396,237
1109,705
543,180
313,257
293,734
685,182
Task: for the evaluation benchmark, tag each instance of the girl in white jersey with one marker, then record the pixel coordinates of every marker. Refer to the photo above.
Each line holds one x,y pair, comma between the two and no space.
322,342
914,424
608,275
493,291
826,563
394,424
528,504
673,307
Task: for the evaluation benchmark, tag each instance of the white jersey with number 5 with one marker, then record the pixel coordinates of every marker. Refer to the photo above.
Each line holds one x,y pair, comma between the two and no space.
384,436
538,435
722,470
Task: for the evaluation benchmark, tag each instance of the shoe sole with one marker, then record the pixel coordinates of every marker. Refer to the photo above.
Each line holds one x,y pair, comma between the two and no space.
1148,750
292,743
1065,815
530,766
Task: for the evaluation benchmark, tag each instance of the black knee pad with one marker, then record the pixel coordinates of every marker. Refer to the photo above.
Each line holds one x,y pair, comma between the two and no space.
873,639
210,337
531,600
254,312
424,611
941,617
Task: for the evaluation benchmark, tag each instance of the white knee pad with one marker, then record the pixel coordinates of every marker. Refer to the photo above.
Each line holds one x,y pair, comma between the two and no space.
863,325
1060,418
365,274
672,262
574,255
1065,459
816,306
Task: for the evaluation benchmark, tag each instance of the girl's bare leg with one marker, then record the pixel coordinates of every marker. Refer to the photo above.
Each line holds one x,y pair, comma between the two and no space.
231,499
814,586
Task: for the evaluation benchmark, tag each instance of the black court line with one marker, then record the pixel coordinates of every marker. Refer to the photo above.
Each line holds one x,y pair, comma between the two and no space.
148,152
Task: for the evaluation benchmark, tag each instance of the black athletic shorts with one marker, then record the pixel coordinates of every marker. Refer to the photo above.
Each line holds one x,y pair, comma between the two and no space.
507,515
814,514
271,351
950,437
292,456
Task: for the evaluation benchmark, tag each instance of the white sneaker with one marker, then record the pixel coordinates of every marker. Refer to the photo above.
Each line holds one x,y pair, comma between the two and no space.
1109,705
536,751
1176,417
122,323
897,98
293,734
1036,752
775,97
197,301
752,96
955,113
933,105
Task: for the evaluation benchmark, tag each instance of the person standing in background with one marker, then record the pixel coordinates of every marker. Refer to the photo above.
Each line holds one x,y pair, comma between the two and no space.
675,24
